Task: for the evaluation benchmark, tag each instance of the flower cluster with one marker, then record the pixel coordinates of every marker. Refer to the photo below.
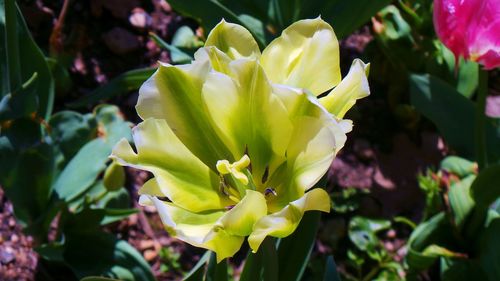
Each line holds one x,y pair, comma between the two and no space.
237,139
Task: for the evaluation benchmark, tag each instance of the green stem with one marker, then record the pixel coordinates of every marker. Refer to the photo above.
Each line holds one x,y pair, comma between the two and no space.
12,45
480,138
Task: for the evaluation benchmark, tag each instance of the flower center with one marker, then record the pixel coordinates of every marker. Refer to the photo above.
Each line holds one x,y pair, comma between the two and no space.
235,178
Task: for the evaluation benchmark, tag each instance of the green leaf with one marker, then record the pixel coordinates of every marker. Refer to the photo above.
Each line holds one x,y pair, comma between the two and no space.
489,252
485,189
198,271
458,166
23,58
210,12
70,131
216,271
331,273
26,169
176,55
77,176
451,112
124,83
21,102
453,115
89,251
253,267
461,202
363,233
270,260
294,251
463,270
433,235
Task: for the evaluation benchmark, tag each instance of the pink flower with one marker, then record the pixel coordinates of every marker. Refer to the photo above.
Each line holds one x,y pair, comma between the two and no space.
470,28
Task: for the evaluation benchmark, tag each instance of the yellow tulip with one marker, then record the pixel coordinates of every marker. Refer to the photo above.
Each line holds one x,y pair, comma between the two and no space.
237,139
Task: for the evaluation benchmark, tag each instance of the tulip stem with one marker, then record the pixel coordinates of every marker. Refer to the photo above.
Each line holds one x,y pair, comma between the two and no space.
480,138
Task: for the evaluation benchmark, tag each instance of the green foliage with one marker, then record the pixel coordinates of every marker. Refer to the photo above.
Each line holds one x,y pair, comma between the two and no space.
267,18
50,165
26,82
453,114
457,234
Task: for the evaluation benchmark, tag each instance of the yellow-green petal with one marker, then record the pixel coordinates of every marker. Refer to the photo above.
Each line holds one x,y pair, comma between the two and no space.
234,40
241,219
306,55
353,87
181,176
284,222
197,229
249,118
173,93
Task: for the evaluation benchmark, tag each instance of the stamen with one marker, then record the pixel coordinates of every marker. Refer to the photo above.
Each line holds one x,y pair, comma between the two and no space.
235,169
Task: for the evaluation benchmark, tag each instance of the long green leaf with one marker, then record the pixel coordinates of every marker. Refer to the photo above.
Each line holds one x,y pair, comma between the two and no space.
126,82
253,267
198,271
486,189
216,271
294,251
489,254
453,115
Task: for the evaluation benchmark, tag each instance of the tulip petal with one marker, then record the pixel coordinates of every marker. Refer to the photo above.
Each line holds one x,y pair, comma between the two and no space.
240,219
353,87
284,222
173,93
306,55
309,158
197,229
234,40
249,118
181,176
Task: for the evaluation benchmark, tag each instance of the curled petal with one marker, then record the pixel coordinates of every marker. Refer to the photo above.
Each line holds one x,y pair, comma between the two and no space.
197,229
234,40
181,176
241,218
284,222
173,93
306,55
353,87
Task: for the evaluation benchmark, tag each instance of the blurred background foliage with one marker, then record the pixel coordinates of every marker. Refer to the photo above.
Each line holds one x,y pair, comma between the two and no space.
67,194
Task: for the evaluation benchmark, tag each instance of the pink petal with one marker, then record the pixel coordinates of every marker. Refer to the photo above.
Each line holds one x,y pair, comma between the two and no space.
451,18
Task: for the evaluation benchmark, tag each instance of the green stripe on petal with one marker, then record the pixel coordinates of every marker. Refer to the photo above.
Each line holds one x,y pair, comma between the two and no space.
198,229
306,55
353,87
240,219
173,93
180,175
284,222
249,117
234,40
310,154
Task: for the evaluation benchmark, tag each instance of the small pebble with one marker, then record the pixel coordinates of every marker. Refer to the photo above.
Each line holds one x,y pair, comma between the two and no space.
14,238
150,255
7,255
